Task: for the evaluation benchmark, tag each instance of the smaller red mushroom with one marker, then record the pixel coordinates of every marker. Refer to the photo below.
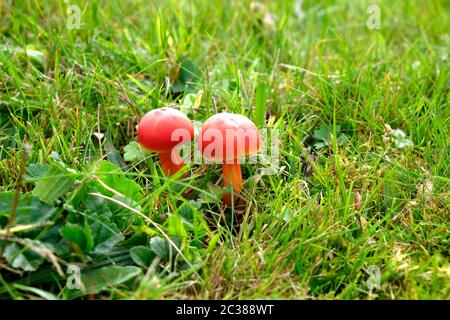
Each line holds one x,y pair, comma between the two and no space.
162,131
227,138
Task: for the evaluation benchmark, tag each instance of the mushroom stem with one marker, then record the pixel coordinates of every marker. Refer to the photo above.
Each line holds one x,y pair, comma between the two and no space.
170,161
232,176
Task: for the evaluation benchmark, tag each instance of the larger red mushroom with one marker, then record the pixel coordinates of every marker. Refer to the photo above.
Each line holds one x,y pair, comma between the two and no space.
227,138
161,131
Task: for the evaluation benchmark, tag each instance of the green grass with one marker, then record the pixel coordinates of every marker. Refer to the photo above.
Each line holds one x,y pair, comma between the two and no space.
345,197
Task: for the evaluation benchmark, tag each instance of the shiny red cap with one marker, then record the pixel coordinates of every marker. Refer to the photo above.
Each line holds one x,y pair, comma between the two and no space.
162,129
226,137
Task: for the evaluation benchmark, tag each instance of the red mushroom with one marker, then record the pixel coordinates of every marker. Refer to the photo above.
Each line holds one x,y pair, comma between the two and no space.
161,131
227,138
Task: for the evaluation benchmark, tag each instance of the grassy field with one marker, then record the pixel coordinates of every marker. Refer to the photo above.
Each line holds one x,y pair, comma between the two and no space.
357,208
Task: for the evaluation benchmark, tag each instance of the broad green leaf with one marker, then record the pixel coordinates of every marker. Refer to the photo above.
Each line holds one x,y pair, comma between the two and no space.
30,210
186,211
74,234
36,171
186,76
56,182
159,246
93,231
53,236
137,239
133,152
20,258
122,216
114,178
322,133
162,248
142,256
104,233
187,71
176,227
97,280
83,200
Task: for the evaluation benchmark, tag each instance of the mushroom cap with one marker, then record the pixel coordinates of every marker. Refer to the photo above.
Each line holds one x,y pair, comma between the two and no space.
162,129
227,137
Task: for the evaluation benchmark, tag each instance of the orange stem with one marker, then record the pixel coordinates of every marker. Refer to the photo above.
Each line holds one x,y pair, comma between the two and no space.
232,176
171,162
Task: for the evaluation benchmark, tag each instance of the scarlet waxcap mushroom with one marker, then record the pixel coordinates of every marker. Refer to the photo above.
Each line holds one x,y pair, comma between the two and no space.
161,131
227,138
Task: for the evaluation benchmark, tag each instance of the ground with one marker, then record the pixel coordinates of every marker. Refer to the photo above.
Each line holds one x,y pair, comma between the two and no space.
356,208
